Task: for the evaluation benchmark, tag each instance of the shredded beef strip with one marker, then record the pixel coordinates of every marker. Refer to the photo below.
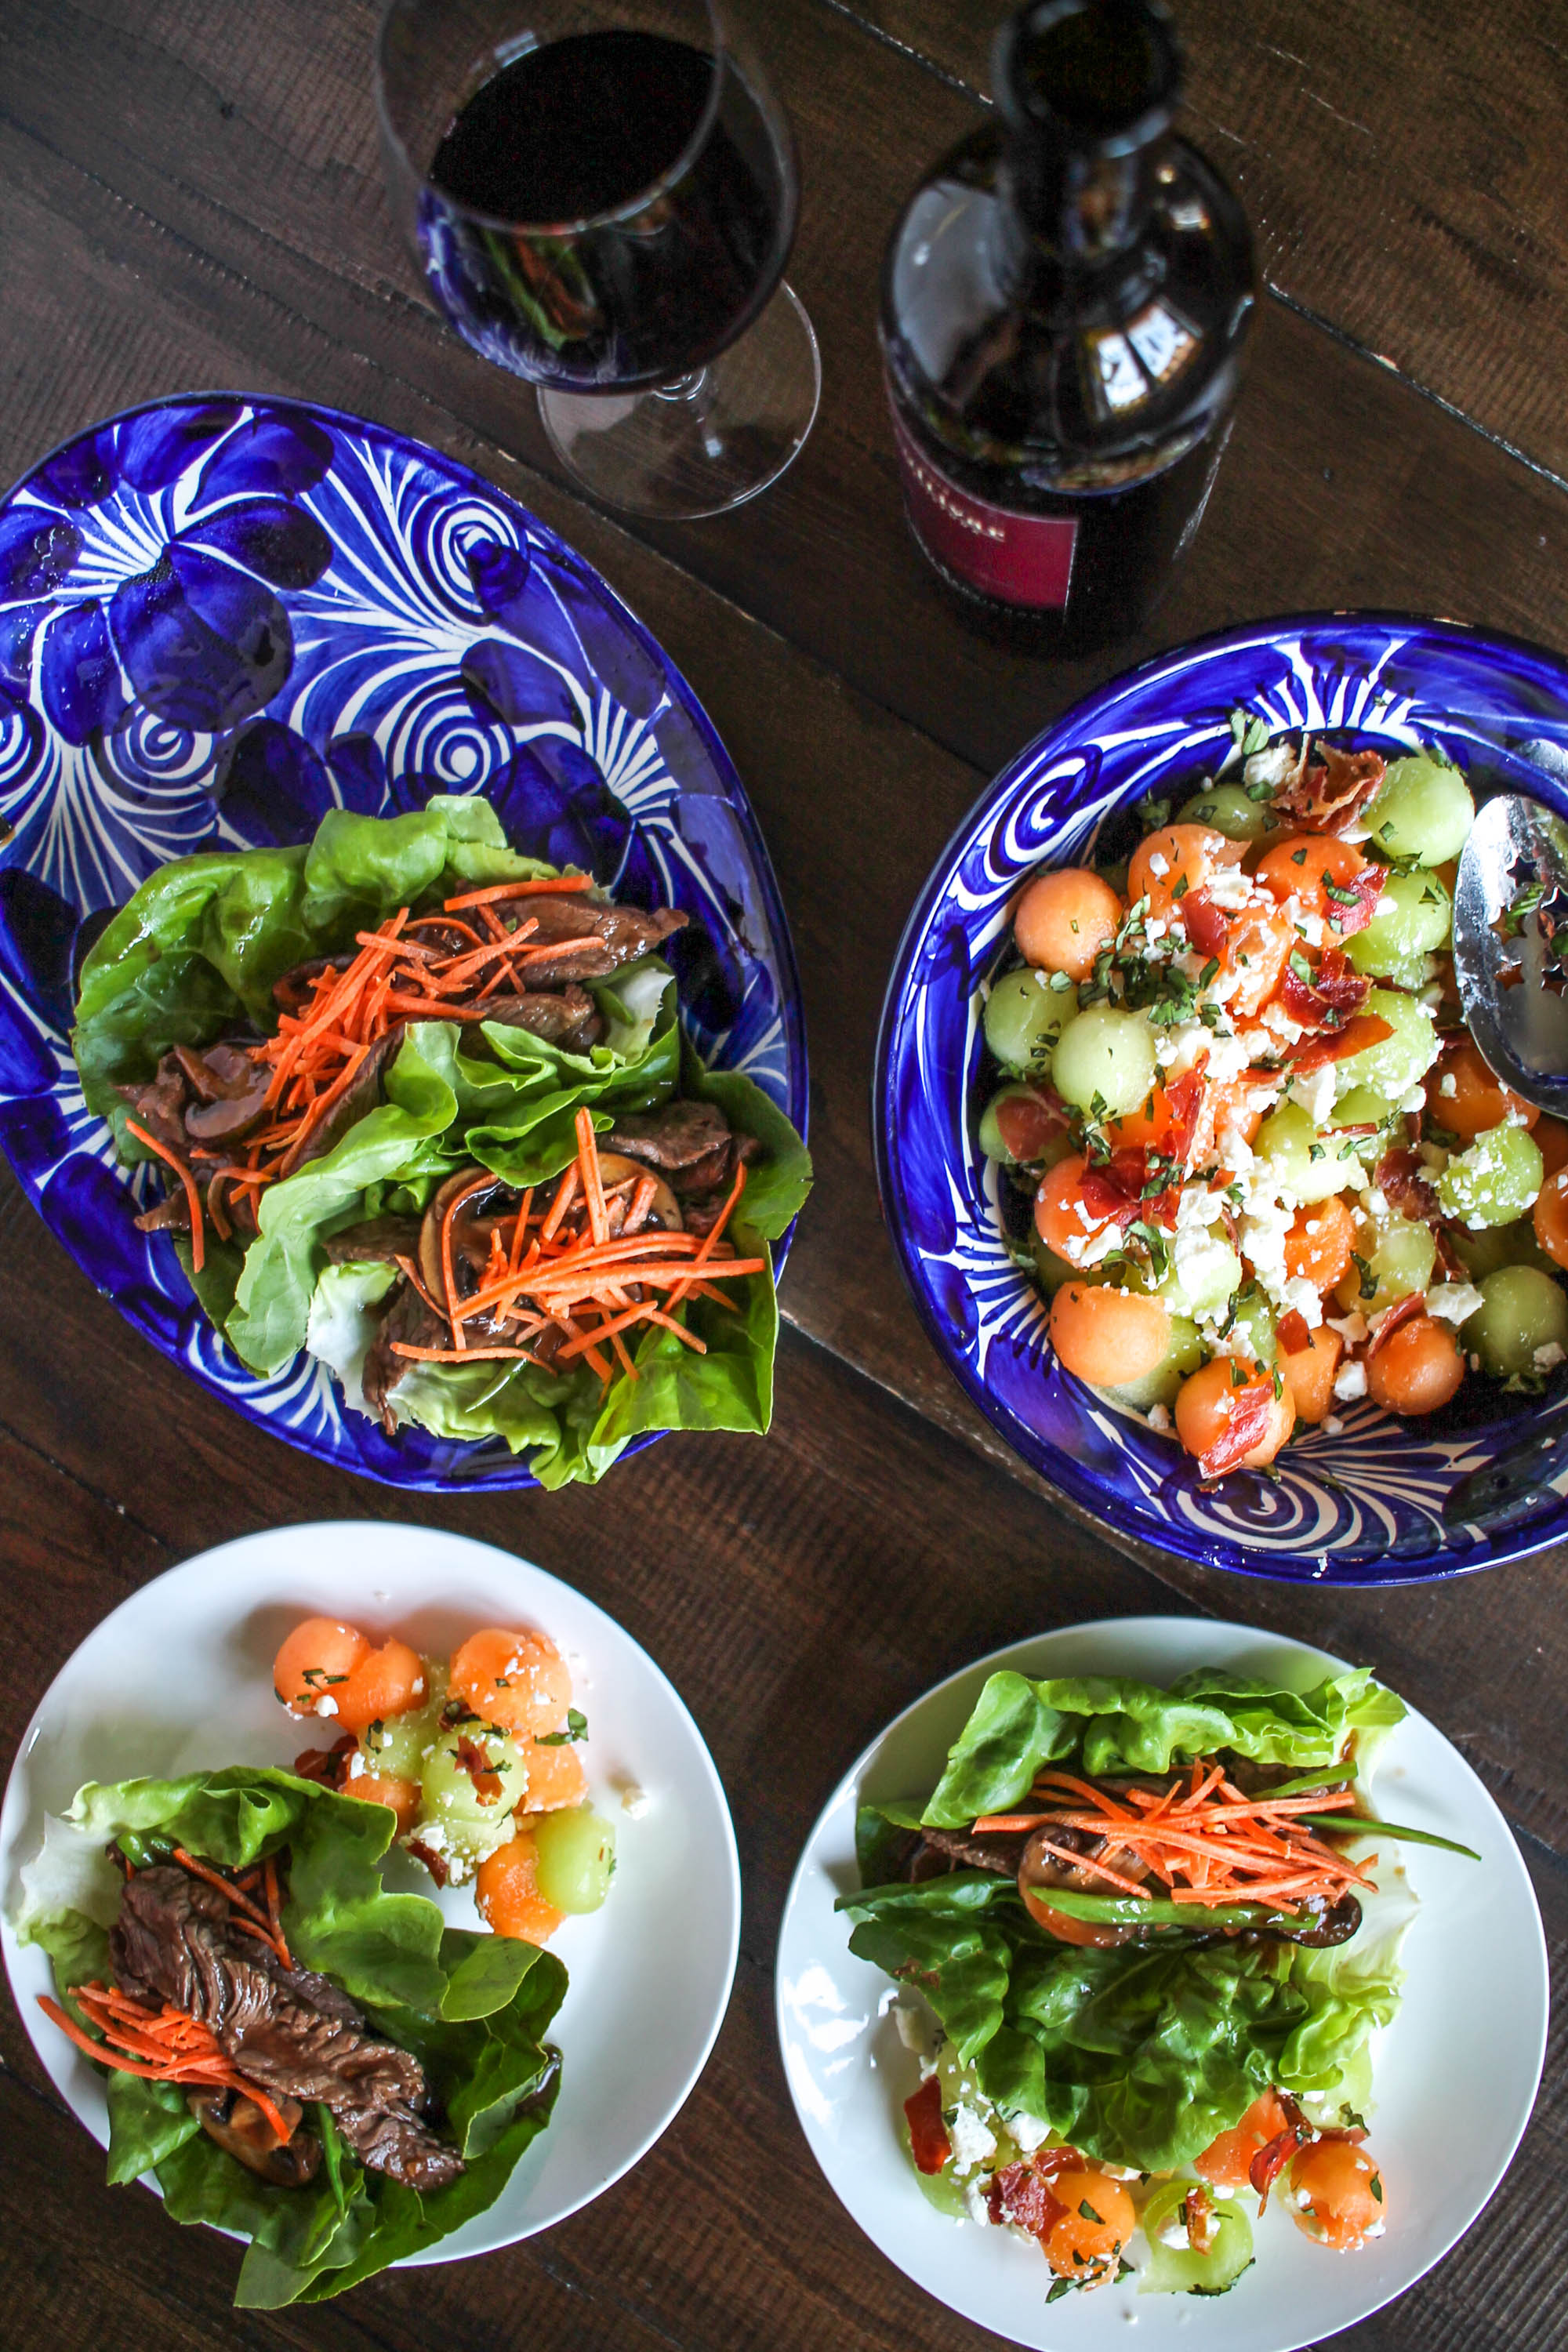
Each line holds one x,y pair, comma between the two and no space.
291,2032
328,1121
595,940
678,1135
409,1319
570,1018
378,1240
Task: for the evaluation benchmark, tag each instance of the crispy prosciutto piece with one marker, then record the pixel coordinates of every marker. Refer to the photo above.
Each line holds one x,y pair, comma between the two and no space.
1334,992
1292,1332
1329,793
1206,924
1414,1303
1399,1178
1352,905
478,1766
928,2132
1270,2161
1019,2194
1248,1416
1028,1123
1115,1191
1362,1030
1183,1102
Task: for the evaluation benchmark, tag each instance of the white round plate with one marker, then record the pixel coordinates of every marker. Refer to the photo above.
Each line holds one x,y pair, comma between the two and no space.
650,1973
1457,2069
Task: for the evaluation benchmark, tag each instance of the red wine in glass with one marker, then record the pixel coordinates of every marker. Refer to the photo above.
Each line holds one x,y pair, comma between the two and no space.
606,210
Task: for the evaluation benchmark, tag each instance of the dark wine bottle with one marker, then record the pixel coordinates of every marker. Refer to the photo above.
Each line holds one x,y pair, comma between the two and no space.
1065,300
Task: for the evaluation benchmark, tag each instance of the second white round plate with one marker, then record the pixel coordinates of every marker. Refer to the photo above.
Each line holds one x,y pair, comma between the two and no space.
1456,2074
179,1678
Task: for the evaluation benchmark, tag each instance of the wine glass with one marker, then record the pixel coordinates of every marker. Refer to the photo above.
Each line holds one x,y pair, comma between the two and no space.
601,195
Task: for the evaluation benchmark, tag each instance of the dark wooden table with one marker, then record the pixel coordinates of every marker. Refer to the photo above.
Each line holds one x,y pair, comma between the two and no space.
190,196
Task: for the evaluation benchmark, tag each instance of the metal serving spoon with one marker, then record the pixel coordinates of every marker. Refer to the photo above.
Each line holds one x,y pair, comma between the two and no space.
1515,1002
1515,998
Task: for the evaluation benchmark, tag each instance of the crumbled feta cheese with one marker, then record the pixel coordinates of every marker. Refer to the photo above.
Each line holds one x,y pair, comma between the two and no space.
1273,765
1229,888
1350,1381
1173,2231
1453,1302
1547,1359
1375,1201
1351,1328
1158,1417
974,2199
1305,1298
1158,865
1027,2133
634,1801
1447,1085
1333,1426
1415,1100
1314,1090
972,2139
326,1704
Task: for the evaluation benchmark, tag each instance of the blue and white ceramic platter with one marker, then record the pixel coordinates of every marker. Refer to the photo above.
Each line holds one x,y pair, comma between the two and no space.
1364,1507
220,617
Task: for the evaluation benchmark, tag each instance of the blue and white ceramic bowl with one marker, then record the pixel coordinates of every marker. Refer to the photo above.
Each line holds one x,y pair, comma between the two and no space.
220,617
1365,1507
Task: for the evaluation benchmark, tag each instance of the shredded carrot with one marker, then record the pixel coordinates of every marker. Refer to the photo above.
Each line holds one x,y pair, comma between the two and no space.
241,1901
182,1170
275,1907
592,1181
165,2047
458,1355
561,885
1200,1835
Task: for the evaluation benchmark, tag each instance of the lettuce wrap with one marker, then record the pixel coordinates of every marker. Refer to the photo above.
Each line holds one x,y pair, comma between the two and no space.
473,2008
1139,2054
192,959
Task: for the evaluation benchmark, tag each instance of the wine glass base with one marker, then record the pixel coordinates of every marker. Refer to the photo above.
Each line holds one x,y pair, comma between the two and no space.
707,443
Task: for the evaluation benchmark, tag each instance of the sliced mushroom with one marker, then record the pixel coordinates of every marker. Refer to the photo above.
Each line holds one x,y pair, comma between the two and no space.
239,2125
230,1090
474,1183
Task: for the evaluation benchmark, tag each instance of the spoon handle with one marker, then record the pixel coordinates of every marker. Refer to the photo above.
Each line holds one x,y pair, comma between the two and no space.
1512,1483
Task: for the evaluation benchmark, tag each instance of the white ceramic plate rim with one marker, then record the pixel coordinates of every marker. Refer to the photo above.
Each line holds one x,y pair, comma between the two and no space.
536,1597
1076,2320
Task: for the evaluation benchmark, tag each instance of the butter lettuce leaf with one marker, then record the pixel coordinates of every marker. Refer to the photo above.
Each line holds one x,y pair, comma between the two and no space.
197,950
1139,2055
473,2008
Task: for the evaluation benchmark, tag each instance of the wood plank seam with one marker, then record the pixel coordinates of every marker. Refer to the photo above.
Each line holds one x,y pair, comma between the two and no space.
85,1487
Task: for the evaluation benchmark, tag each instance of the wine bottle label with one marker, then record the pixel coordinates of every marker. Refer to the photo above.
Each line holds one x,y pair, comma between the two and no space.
1019,559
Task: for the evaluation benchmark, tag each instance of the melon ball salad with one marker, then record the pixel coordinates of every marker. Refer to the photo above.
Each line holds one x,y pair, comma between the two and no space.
1192,2232
1249,1149
477,1756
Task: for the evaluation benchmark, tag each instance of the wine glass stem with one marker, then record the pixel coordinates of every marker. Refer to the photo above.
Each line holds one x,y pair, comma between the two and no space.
695,389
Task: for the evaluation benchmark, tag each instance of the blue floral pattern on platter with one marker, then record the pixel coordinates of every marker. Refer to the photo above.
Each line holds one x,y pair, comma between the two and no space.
1364,1507
220,617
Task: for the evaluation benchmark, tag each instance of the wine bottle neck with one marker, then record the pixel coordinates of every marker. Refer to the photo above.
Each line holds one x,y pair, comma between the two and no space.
1086,90
1086,209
